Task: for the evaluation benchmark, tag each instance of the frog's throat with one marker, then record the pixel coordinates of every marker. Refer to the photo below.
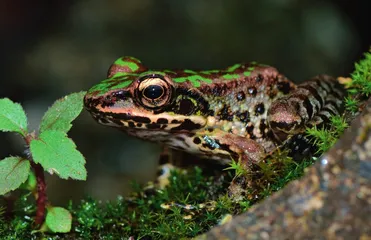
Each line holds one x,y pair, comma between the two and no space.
163,121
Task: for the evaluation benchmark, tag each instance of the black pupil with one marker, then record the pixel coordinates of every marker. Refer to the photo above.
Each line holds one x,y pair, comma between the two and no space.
153,92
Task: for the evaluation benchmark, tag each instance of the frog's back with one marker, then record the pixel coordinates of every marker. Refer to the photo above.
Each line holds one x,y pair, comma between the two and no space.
237,98
238,74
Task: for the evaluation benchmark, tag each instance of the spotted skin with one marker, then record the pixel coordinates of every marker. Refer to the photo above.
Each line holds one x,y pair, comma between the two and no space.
242,112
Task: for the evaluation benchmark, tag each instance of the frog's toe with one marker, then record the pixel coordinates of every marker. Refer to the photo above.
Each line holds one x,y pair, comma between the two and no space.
163,174
301,147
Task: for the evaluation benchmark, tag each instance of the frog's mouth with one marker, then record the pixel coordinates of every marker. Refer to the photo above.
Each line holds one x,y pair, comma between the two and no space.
130,117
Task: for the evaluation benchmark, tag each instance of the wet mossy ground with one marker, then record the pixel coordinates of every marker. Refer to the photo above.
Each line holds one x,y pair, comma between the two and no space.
173,213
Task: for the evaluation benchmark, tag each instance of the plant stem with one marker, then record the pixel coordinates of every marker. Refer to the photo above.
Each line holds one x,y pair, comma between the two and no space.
41,198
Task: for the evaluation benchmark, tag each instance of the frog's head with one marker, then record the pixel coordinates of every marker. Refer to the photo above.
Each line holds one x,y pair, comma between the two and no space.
134,98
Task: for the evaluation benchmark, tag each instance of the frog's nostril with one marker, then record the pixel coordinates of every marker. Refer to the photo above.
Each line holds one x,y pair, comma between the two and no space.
284,112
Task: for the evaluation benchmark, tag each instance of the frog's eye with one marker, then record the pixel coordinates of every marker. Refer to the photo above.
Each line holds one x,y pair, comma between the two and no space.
153,91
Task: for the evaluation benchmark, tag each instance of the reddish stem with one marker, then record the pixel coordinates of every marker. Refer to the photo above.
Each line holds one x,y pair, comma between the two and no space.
41,198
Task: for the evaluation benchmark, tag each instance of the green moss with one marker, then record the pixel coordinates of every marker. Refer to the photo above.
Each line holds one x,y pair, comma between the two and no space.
362,75
19,226
237,167
2,221
359,88
324,139
274,173
351,104
141,215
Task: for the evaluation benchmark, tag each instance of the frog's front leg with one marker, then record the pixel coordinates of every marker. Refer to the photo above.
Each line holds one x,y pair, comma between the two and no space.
230,147
226,147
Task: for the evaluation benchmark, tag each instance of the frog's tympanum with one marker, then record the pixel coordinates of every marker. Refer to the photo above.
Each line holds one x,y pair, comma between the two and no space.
243,112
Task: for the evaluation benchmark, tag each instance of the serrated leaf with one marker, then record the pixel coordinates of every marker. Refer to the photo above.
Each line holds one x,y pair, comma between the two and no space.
60,115
58,154
13,172
58,219
12,117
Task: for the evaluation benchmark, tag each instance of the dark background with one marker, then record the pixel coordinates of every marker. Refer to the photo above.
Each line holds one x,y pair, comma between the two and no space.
52,48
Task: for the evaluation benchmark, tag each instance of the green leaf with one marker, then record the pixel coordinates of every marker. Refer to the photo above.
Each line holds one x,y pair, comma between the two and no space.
62,113
58,219
13,172
57,154
12,117
31,182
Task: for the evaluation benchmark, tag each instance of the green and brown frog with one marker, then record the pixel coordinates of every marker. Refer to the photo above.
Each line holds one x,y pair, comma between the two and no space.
243,112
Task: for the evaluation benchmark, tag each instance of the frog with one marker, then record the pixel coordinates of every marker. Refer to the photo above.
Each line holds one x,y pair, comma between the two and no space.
240,113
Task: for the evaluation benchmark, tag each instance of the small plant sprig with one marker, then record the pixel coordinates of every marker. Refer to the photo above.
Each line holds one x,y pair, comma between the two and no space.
49,150
360,85
237,167
324,139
